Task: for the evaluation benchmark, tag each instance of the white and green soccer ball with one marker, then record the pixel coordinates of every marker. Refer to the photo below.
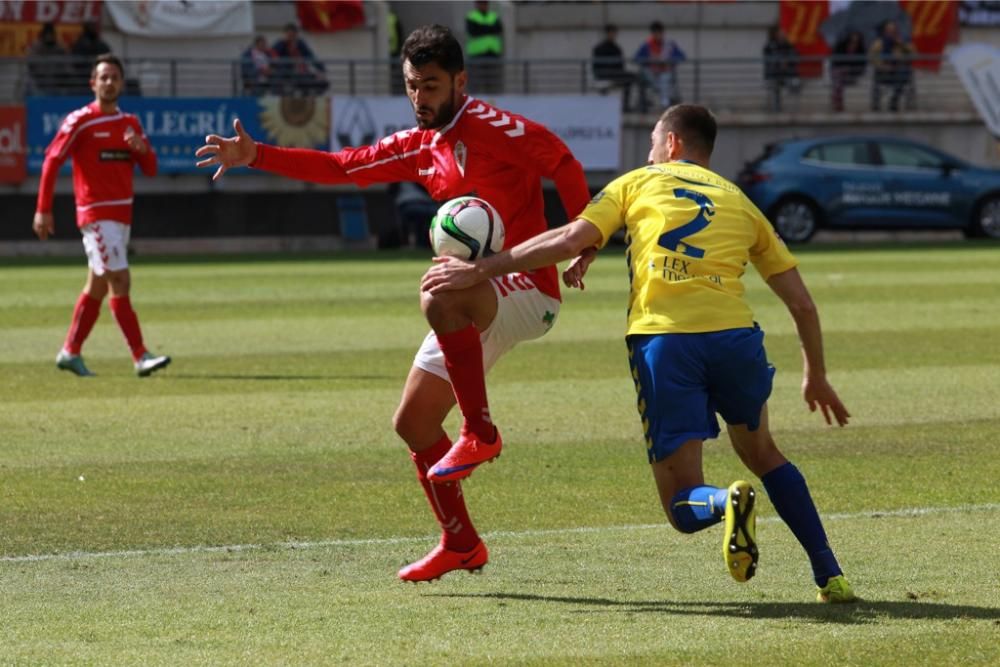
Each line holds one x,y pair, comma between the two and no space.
467,228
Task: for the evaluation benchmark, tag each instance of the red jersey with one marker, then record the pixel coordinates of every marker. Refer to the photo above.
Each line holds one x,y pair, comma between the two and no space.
103,164
494,154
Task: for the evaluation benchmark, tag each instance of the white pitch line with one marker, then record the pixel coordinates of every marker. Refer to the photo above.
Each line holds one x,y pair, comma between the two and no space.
291,546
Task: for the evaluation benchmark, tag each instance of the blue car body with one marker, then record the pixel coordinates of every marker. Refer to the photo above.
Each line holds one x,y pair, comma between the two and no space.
873,183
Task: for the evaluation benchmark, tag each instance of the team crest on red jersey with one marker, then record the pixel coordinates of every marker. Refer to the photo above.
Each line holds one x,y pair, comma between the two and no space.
461,153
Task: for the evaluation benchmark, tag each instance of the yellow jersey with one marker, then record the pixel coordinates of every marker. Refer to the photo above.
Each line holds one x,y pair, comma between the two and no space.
690,233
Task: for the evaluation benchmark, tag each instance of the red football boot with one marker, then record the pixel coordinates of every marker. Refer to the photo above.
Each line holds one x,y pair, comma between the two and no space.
441,561
465,455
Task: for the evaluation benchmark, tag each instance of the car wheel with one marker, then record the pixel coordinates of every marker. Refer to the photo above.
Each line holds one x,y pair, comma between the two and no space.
986,221
795,219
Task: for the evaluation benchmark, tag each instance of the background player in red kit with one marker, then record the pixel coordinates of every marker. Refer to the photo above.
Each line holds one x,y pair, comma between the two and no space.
105,144
459,146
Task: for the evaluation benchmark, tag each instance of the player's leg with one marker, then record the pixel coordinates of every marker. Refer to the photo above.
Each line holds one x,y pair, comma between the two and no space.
85,314
88,304
427,399
676,416
520,312
742,379
113,261
689,504
457,318
120,283
787,489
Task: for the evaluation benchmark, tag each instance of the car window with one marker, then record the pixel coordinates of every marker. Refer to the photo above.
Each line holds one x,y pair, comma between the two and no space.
907,156
841,153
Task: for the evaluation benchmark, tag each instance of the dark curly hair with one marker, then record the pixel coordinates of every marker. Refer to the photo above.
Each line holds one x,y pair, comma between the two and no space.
433,44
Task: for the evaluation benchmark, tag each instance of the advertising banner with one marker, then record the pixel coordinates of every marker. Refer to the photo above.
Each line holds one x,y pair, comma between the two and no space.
12,143
979,13
590,125
978,66
176,126
182,18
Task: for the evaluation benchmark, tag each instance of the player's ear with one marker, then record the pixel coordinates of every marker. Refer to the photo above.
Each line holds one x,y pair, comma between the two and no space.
461,79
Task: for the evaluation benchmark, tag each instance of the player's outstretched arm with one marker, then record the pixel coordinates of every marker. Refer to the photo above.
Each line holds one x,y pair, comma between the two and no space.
816,390
227,152
546,249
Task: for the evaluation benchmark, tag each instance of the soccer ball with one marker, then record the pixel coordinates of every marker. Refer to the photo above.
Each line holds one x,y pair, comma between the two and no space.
467,228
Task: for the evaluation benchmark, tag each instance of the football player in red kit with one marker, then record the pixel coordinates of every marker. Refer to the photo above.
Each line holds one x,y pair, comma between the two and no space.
105,144
459,146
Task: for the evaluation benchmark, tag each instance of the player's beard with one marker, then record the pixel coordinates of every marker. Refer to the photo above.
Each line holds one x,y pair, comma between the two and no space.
440,117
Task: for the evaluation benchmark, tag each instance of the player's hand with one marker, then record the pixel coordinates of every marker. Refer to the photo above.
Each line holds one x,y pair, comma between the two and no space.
44,225
449,273
577,269
817,392
135,142
238,151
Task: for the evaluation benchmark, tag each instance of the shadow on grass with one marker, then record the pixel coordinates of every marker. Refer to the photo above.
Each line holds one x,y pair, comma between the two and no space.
863,611
277,378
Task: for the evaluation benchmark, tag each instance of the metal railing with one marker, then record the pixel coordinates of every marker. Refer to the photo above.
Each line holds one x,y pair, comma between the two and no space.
723,84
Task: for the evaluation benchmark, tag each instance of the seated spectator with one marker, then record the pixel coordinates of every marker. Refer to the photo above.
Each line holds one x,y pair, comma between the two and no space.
87,46
658,59
891,59
296,68
781,67
609,64
255,67
847,65
47,60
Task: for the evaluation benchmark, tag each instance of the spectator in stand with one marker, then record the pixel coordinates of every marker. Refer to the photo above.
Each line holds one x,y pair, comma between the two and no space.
47,61
658,58
256,67
609,64
890,55
87,46
296,68
847,65
781,67
484,48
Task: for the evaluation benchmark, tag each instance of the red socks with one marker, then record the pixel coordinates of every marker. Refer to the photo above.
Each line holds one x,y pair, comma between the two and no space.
84,316
121,307
463,357
458,533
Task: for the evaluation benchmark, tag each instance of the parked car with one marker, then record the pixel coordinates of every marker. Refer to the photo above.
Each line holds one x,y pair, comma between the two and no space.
870,183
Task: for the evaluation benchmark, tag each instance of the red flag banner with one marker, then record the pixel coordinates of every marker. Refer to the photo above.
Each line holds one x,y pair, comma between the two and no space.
329,15
935,23
13,157
800,21
54,11
21,21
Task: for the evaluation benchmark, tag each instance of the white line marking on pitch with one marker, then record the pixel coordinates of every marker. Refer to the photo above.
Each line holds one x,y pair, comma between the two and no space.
235,548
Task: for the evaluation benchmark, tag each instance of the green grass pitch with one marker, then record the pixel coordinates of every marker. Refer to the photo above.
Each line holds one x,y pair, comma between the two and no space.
251,504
